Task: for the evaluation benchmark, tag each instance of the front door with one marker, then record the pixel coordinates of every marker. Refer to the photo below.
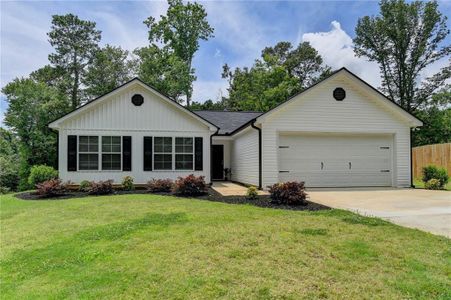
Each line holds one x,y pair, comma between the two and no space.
217,160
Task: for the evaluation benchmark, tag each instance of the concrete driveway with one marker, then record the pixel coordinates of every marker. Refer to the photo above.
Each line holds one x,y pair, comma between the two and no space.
422,209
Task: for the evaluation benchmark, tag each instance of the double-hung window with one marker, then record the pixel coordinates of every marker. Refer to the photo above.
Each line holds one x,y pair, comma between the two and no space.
88,153
162,153
111,153
184,153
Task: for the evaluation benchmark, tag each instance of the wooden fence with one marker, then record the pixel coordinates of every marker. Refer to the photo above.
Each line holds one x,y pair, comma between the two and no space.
437,154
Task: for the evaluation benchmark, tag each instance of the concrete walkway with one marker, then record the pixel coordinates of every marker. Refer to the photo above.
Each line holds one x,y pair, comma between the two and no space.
227,188
415,208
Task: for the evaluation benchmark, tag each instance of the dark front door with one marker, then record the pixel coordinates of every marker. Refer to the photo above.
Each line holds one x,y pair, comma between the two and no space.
217,160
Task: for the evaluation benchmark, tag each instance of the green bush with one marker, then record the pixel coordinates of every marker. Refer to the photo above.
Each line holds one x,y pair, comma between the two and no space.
433,184
433,172
4,190
251,193
84,186
9,173
127,183
41,173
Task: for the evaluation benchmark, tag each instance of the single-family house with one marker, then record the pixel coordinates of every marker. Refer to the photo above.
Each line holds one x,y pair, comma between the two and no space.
340,132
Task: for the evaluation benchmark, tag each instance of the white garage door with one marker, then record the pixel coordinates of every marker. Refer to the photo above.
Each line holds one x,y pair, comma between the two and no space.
336,160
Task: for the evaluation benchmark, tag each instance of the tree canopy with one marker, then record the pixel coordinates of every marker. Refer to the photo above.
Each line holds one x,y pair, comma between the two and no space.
404,39
280,73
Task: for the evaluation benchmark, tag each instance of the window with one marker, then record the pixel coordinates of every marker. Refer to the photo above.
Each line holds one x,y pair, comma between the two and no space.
162,153
184,153
111,153
88,153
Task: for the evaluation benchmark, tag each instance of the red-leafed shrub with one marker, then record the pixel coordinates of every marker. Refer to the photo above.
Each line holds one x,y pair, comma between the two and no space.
288,193
159,185
101,187
190,186
51,188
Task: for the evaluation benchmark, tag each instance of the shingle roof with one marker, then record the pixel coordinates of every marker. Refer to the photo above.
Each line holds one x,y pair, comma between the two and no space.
227,121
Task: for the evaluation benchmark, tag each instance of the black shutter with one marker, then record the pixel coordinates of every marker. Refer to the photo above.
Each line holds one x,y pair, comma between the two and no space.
72,153
198,154
147,153
126,153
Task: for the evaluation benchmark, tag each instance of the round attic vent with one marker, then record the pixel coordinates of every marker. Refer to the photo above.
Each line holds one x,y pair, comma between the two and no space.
339,94
137,99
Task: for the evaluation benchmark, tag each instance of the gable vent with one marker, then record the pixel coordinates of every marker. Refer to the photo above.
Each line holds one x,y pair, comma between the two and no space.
339,94
137,99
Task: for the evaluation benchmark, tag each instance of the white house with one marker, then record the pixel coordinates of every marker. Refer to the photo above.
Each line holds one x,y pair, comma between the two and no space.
340,132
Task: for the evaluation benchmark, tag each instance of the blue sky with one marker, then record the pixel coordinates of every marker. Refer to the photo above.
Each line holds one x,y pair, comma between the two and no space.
242,30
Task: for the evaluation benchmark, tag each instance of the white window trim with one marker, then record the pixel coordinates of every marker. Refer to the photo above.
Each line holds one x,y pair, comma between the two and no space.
101,153
173,153
84,152
187,153
166,153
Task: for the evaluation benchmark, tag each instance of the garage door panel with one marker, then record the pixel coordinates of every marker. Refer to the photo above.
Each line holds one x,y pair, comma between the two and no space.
336,160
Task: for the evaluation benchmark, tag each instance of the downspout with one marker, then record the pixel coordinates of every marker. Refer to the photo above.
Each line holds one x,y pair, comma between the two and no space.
259,154
211,154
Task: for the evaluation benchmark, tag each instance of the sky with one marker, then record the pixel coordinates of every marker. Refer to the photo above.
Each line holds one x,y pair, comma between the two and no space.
242,30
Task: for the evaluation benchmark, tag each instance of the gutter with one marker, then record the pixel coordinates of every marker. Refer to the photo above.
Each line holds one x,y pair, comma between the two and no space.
411,161
259,153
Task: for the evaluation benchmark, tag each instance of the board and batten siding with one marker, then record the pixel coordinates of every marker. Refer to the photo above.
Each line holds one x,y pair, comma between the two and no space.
117,116
245,157
317,111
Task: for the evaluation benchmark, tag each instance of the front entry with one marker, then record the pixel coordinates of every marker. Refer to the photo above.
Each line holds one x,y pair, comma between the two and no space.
217,161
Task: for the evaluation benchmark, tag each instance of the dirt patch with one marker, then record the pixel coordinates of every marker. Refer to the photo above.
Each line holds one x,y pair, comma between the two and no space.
212,195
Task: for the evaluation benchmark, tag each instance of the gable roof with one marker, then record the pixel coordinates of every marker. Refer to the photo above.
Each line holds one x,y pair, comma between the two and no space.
382,97
54,124
228,121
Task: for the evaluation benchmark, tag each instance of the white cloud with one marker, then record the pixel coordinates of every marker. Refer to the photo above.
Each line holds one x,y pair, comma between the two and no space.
336,48
205,89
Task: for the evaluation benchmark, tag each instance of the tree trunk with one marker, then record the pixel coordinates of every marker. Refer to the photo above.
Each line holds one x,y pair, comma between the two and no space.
74,95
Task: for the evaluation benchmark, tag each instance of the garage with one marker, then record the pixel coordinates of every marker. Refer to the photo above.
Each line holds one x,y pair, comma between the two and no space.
336,160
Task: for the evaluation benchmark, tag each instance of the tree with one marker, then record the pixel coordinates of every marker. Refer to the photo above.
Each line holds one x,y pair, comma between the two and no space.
31,106
9,170
109,69
75,42
437,120
280,73
162,69
404,39
209,105
180,32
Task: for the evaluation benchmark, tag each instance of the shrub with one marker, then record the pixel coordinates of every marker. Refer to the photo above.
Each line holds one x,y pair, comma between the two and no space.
433,172
190,186
251,193
51,188
84,186
433,184
160,185
101,187
9,173
4,190
41,173
127,183
289,193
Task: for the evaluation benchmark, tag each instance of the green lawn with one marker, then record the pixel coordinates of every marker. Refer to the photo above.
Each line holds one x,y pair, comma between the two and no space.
146,246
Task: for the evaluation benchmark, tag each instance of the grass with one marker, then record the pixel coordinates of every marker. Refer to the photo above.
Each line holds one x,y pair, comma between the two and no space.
148,246
420,184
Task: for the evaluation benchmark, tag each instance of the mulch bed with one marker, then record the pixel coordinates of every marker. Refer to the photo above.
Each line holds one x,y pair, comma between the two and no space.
212,195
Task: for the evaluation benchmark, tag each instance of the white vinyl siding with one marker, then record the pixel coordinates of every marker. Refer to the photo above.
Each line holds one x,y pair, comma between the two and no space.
117,116
245,157
316,111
